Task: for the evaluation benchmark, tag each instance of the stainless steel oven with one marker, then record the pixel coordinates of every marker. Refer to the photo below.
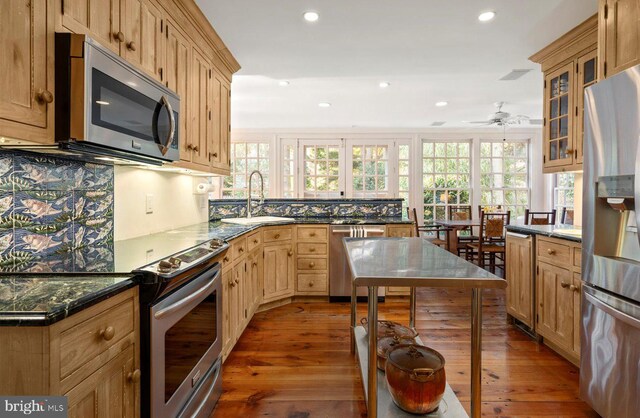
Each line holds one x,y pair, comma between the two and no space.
103,103
181,341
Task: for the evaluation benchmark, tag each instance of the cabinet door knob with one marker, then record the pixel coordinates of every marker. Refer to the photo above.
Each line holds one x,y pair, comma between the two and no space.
254,264
313,234
290,253
310,284
44,96
236,281
134,376
276,236
312,249
131,46
312,264
241,249
255,241
564,285
107,333
551,251
225,259
213,155
574,288
196,148
118,36
189,147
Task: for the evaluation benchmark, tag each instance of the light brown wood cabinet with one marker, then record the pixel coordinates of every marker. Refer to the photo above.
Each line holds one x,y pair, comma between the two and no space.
312,260
520,278
99,19
26,63
558,288
255,272
142,23
569,65
91,357
619,35
178,76
279,271
399,231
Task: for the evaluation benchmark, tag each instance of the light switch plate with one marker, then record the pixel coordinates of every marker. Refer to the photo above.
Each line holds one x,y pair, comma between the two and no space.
149,204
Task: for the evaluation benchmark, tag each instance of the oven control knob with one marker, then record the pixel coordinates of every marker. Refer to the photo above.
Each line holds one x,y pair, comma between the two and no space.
175,262
165,266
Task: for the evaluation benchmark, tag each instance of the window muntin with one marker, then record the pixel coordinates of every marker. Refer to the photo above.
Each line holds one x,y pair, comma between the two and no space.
288,170
370,171
404,174
504,176
446,177
563,192
245,158
321,170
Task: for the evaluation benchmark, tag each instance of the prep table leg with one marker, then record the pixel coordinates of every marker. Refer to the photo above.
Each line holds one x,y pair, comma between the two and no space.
412,308
354,308
372,378
476,351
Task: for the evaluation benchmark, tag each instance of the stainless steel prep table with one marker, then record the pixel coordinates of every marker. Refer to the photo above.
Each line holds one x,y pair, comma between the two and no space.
414,262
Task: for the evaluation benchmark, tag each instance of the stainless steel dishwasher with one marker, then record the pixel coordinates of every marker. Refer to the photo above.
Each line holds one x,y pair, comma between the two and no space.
339,273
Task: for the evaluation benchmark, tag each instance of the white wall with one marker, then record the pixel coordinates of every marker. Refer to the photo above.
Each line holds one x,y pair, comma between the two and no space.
174,202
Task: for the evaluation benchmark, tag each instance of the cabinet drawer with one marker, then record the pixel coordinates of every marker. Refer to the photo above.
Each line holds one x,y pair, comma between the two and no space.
312,248
277,234
86,340
312,282
312,234
254,240
312,264
559,254
238,248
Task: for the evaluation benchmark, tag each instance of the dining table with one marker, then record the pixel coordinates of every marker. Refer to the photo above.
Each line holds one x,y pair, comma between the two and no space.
454,227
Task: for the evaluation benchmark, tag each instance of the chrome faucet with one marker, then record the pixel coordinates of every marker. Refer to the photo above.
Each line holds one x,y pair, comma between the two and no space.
249,191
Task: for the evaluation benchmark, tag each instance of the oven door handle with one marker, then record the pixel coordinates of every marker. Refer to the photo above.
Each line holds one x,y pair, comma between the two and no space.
195,295
628,319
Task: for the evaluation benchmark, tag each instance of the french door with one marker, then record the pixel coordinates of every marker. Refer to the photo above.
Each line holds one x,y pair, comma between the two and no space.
334,168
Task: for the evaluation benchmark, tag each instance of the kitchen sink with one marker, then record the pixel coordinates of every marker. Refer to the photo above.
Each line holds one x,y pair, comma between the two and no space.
257,220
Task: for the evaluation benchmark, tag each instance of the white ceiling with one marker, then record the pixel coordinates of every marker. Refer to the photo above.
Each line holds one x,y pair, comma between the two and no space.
429,50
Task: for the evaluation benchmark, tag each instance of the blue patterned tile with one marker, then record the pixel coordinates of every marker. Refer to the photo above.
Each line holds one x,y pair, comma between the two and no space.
6,171
92,204
6,240
94,259
93,232
34,173
6,209
35,207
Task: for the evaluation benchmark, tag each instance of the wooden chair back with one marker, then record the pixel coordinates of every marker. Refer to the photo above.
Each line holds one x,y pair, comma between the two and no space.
460,213
414,218
567,216
488,209
539,218
492,227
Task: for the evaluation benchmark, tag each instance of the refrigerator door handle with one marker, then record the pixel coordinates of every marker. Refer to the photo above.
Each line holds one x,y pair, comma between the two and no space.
636,187
628,319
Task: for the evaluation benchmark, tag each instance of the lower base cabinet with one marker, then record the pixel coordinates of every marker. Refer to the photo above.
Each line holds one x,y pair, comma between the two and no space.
520,278
278,272
91,357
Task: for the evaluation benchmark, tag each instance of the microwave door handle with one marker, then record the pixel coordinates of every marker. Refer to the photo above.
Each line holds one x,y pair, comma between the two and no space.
172,125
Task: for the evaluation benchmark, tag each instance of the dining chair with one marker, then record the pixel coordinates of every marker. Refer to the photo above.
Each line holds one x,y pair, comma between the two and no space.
539,218
489,251
433,229
567,216
463,213
488,209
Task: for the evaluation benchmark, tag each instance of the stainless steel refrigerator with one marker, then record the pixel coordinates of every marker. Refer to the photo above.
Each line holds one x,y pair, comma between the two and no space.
610,326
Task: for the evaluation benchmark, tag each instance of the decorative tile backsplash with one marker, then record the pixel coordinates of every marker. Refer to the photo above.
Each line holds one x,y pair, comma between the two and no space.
56,214
301,208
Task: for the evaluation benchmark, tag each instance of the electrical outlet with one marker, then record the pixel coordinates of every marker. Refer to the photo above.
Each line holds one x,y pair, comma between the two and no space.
149,204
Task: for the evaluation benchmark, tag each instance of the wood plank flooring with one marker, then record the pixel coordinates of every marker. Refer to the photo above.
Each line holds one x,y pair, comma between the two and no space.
294,361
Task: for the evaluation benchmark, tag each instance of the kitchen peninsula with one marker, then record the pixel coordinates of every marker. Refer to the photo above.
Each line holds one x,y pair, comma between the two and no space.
412,262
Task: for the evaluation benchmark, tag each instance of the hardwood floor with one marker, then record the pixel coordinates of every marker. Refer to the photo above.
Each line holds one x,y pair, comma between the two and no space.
294,361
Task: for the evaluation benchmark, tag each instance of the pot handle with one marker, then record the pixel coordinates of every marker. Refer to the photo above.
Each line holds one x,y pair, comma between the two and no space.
422,374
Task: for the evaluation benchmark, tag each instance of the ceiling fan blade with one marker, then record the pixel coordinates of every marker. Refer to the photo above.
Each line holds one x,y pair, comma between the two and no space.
535,121
487,122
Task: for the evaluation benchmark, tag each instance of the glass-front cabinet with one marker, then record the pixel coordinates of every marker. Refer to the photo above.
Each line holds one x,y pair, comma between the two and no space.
569,65
558,138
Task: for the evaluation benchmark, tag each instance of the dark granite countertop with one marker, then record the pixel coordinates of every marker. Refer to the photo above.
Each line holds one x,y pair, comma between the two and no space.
568,232
40,300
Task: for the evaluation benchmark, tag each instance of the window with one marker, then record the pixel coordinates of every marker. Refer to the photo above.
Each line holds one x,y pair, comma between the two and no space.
446,177
245,158
504,175
288,170
403,174
370,175
563,191
321,170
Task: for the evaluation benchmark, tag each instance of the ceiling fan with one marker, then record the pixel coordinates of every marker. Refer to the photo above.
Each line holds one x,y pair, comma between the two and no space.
504,119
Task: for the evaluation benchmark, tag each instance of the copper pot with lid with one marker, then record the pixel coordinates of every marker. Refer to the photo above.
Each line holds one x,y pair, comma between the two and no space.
415,377
388,343
390,328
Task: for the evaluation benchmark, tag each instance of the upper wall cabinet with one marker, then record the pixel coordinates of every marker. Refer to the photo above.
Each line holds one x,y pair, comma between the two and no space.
619,35
569,65
26,63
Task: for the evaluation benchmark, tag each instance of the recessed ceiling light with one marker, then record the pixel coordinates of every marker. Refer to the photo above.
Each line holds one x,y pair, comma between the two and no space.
324,104
441,104
384,84
284,83
311,16
486,16
102,102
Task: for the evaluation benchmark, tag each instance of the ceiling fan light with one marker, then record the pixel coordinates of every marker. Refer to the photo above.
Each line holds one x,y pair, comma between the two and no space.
486,16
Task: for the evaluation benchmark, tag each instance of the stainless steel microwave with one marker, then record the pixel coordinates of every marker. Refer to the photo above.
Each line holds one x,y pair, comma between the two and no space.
106,106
